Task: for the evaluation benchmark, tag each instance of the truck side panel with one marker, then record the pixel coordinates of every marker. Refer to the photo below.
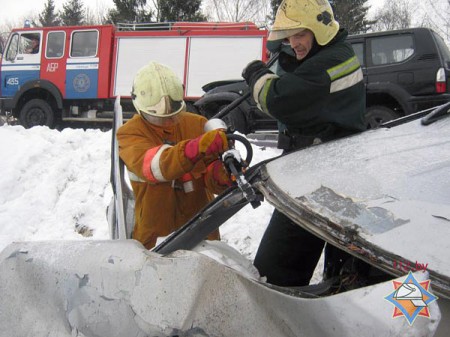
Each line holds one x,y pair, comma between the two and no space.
219,58
132,53
197,57
105,54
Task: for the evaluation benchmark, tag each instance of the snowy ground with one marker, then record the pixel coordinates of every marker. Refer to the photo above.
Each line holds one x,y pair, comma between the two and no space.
55,186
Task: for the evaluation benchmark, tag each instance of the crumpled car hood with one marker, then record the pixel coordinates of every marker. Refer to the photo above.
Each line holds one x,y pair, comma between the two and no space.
383,195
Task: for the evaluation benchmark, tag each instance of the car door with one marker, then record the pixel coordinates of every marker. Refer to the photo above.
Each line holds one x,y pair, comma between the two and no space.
54,61
83,65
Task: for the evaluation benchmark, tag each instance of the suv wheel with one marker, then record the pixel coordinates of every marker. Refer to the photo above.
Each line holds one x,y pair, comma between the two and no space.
377,115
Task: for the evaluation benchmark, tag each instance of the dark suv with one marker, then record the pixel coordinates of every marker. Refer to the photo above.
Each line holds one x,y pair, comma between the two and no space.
405,71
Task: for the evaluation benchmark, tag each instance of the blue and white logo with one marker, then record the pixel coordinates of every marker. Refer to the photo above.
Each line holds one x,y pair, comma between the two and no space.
81,83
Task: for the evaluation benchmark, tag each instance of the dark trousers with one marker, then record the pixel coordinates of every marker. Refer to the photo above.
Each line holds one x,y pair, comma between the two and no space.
287,254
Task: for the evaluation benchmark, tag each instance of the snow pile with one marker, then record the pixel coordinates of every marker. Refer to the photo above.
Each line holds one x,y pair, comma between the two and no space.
54,185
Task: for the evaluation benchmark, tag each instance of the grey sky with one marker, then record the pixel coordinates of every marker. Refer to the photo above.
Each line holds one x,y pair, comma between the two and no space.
12,11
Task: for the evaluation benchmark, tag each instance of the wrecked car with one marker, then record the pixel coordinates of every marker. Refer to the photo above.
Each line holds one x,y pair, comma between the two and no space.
382,196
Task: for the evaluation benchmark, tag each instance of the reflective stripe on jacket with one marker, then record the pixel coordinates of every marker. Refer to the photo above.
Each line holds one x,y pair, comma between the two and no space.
150,167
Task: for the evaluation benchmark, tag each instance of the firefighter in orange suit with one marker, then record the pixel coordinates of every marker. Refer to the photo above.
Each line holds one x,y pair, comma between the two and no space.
174,167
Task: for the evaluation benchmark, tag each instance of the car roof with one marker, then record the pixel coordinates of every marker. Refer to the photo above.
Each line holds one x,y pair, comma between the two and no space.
390,32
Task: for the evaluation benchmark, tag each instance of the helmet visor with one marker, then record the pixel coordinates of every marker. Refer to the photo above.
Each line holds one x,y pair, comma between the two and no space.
283,34
161,121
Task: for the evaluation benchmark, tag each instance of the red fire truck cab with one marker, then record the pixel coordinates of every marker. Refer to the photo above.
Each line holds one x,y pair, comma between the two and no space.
75,73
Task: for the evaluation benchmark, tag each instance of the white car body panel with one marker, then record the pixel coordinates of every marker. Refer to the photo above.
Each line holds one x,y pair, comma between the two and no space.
118,288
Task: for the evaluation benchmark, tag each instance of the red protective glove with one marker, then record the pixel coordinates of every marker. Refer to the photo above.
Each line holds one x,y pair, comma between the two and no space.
210,144
217,179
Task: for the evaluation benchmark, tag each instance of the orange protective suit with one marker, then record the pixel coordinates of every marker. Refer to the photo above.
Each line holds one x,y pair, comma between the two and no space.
168,188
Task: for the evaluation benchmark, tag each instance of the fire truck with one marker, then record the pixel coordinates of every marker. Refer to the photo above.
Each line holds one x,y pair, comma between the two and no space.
75,73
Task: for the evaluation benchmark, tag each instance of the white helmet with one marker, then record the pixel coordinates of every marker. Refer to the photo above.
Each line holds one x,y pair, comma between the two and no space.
157,91
293,16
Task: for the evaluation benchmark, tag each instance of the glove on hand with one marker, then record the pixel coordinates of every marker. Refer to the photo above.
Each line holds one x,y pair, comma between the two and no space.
217,172
211,144
253,71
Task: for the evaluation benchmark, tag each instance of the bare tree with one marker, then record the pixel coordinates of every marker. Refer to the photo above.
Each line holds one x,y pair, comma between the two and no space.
156,6
97,15
394,15
437,17
238,10
90,17
8,25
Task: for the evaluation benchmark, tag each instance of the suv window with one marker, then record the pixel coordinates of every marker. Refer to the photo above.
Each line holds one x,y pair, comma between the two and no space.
359,51
391,49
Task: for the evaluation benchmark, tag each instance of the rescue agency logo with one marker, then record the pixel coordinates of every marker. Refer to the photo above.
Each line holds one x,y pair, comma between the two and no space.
81,83
411,298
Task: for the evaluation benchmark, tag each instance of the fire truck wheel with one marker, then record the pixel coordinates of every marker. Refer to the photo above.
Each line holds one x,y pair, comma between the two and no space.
36,112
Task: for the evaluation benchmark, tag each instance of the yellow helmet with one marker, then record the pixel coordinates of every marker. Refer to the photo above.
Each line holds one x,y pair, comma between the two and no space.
293,16
157,91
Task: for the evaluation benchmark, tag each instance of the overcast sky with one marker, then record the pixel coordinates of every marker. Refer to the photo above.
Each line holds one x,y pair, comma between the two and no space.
12,11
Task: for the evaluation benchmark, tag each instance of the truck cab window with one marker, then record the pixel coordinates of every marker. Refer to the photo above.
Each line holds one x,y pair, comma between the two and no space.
23,44
84,44
13,47
29,44
55,44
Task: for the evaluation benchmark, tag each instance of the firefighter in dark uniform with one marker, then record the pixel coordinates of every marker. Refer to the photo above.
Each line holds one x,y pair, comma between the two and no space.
319,97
